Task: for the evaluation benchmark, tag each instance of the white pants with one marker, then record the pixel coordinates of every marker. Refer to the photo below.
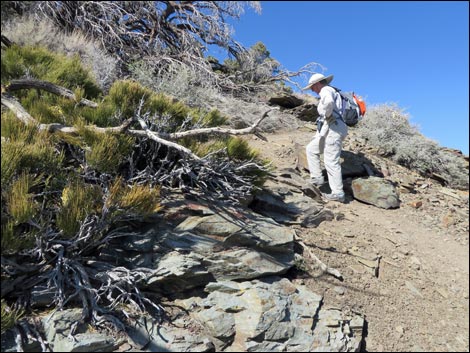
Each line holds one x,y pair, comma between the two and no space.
330,143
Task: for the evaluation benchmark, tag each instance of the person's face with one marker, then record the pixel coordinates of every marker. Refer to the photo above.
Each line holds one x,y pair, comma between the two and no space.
315,87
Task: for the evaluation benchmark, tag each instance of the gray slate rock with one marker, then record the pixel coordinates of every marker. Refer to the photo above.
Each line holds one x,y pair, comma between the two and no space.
376,191
272,314
58,327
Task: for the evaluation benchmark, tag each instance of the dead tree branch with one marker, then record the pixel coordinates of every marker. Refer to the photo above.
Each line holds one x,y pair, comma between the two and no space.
220,130
21,113
161,138
11,103
49,87
154,136
5,41
324,268
170,36
134,28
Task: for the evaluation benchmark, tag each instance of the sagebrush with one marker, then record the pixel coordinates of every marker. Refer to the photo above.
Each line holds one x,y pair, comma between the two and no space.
387,127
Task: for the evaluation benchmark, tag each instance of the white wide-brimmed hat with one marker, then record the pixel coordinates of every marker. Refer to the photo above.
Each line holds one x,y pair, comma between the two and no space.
317,78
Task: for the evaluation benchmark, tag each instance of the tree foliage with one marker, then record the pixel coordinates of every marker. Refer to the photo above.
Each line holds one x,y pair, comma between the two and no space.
130,28
169,31
165,39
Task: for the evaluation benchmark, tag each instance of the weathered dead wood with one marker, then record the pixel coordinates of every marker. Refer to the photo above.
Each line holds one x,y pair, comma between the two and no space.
26,118
17,109
154,136
8,43
324,268
220,130
212,173
49,87
161,138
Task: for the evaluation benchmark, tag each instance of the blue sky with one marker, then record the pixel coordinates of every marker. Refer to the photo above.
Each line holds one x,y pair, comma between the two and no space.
414,54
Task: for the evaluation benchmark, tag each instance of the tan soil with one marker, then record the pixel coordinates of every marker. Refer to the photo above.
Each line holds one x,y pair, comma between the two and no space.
420,299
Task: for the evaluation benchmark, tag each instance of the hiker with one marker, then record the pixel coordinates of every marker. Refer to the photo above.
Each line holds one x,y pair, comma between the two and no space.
328,139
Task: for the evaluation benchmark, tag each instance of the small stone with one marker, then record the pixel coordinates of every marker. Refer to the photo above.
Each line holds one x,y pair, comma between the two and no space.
444,293
400,330
416,204
339,290
413,289
339,216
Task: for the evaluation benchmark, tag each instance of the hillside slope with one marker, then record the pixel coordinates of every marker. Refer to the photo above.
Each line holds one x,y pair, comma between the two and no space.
405,269
413,286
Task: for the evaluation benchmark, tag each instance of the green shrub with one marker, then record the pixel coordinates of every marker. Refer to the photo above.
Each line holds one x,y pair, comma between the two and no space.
21,207
39,63
47,108
105,115
126,95
18,61
11,159
78,200
141,200
203,148
71,74
26,149
21,204
239,149
14,239
108,152
42,33
212,118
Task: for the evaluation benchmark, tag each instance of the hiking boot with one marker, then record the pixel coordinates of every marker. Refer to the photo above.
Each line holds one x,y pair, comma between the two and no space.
317,181
335,197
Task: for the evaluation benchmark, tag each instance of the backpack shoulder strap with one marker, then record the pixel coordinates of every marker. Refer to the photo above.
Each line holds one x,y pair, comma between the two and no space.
336,89
340,113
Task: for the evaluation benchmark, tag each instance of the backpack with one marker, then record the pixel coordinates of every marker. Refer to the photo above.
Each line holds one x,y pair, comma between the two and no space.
354,107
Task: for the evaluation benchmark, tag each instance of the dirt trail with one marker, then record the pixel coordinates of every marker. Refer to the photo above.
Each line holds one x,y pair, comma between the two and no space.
418,297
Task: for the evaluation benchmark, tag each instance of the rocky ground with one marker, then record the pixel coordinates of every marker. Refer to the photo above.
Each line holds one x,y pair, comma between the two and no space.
287,272
405,269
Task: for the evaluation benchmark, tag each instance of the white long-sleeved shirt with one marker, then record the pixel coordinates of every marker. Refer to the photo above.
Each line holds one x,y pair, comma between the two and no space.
329,98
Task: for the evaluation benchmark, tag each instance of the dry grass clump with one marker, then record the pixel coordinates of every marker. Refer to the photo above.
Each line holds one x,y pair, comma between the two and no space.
10,316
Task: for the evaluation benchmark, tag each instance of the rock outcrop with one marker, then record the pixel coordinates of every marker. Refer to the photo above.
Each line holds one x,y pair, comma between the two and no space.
221,269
